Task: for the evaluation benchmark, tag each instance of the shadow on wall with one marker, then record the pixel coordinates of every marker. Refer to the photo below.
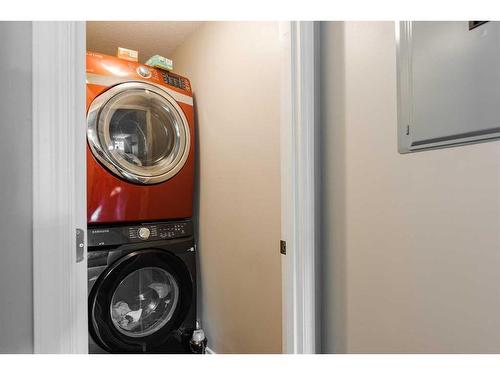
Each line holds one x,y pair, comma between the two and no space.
196,212
333,187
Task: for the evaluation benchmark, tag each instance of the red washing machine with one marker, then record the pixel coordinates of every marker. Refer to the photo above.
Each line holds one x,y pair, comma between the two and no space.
140,132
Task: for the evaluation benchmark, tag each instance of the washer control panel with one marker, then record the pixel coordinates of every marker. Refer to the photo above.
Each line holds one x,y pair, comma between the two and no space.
159,231
118,235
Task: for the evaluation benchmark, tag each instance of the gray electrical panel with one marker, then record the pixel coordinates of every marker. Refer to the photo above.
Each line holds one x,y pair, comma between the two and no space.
448,83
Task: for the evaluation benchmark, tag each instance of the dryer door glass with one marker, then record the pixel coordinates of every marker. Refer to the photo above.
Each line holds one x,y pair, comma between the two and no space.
144,302
141,136
139,133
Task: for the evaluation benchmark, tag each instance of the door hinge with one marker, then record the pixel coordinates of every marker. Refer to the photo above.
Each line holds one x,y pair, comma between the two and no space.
283,247
80,244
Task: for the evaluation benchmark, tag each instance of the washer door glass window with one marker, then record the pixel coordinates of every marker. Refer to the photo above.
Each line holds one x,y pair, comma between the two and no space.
144,302
139,133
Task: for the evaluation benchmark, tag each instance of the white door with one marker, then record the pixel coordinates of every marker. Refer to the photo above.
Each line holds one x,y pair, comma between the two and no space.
59,186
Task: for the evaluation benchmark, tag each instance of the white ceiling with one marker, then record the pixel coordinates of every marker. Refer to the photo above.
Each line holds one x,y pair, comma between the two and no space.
149,38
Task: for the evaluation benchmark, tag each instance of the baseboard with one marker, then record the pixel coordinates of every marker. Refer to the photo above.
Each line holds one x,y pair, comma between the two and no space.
209,351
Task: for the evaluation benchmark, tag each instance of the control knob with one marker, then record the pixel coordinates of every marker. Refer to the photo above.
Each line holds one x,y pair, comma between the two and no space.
144,72
144,233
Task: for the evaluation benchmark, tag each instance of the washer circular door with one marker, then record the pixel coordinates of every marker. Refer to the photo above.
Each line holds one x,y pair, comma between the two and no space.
138,132
138,301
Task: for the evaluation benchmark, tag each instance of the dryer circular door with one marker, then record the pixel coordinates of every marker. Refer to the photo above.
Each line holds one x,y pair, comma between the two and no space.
139,301
138,132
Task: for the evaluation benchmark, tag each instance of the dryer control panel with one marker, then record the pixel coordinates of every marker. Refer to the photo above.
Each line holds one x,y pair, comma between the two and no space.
119,235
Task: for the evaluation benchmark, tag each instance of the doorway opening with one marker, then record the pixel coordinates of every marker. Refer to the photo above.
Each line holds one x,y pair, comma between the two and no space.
255,142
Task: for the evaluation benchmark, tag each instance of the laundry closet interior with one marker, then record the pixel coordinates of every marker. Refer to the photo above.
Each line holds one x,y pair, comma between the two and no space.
183,187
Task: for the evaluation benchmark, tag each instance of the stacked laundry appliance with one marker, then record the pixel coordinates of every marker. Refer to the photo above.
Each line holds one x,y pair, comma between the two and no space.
140,175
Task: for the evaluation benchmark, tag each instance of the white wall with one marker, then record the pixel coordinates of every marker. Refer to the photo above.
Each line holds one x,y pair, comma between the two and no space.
234,72
411,242
16,258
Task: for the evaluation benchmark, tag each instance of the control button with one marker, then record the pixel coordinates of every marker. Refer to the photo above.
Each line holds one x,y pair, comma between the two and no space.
144,233
144,72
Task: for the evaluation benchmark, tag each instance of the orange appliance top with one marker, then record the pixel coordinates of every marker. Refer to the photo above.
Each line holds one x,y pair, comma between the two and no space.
106,65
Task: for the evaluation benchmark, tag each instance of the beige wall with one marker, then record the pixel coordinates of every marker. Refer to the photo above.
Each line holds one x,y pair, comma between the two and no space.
234,72
412,242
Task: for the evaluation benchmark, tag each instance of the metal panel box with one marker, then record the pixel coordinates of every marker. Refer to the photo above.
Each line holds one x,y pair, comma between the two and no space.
448,83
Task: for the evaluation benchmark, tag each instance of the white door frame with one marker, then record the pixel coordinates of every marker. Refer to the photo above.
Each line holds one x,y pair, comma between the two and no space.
298,186
59,187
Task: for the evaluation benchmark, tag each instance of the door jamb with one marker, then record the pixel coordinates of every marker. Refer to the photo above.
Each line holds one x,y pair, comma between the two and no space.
59,187
298,185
